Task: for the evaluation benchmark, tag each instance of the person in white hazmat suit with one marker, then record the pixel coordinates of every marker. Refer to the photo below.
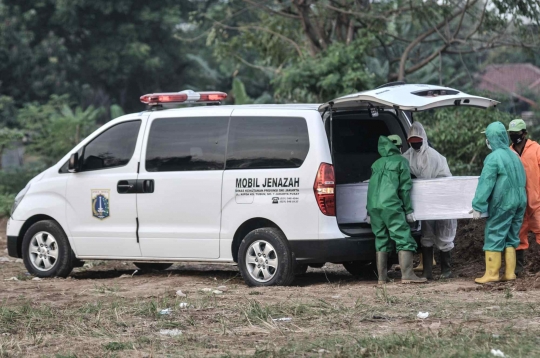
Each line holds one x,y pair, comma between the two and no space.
426,163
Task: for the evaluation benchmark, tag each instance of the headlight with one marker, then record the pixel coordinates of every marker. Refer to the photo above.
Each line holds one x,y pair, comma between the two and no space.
19,198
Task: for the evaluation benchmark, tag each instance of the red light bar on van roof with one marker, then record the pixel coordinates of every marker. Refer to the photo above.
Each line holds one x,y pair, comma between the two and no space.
186,97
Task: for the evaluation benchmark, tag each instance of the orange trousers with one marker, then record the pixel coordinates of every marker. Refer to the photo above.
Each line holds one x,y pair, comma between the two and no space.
531,223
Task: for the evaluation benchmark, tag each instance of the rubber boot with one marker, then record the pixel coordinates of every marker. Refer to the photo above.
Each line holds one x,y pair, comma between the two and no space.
510,264
493,265
520,262
407,273
420,267
427,258
446,265
382,268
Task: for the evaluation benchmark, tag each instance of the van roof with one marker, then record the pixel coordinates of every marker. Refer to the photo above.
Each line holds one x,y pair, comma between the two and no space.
293,106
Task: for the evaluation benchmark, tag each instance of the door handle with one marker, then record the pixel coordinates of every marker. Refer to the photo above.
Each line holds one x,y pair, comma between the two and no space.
126,187
148,186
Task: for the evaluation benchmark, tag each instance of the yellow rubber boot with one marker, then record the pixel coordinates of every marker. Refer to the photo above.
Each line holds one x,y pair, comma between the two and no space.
510,263
493,265
420,267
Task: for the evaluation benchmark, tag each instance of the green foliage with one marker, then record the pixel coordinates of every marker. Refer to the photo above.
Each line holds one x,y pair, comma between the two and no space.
56,128
6,201
12,181
337,71
119,49
116,111
8,136
455,132
240,95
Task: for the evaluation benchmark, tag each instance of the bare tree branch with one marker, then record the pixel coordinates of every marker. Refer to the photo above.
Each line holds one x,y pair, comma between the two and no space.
249,64
269,10
419,39
263,29
315,41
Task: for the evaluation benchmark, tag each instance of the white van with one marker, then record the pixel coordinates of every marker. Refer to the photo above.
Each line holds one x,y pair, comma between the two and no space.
251,184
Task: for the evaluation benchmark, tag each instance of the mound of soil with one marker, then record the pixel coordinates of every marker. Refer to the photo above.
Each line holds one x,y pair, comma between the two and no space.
468,255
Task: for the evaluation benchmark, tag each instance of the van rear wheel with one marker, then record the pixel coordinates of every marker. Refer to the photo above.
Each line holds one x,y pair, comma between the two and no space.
152,266
46,250
264,258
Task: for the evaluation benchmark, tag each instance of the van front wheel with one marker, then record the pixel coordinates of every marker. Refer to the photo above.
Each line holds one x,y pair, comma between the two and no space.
46,250
264,258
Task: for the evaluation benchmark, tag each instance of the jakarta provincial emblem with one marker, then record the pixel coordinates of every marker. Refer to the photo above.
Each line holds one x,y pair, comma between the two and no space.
100,203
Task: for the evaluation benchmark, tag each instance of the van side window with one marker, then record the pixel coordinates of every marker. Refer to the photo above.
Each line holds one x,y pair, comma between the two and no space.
267,142
187,144
112,148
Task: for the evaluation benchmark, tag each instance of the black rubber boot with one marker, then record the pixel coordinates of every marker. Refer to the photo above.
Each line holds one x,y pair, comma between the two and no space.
427,262
520,262
382,268
446,265
407,273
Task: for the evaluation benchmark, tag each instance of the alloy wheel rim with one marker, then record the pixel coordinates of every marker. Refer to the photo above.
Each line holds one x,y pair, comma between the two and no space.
43,251
261,261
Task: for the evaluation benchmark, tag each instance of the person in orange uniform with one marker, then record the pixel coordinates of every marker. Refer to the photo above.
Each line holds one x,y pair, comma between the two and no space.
529,152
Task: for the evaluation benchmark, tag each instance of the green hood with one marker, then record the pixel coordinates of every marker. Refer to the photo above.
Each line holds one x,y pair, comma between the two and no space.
496,134
387,148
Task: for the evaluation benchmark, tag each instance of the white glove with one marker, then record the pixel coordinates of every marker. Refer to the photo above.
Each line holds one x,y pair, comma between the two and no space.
475,214
368,220
411,218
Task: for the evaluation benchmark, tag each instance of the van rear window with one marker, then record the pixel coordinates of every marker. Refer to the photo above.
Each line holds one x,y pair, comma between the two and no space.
267,142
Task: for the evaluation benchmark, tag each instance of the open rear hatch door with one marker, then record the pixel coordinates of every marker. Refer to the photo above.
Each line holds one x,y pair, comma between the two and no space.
408,97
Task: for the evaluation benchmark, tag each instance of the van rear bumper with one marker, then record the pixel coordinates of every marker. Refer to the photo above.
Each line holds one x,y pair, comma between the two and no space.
334,250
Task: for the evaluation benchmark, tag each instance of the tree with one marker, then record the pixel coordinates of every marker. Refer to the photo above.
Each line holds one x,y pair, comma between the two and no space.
100,52
399,38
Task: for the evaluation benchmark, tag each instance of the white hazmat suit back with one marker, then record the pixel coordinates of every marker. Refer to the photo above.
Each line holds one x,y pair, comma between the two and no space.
427,163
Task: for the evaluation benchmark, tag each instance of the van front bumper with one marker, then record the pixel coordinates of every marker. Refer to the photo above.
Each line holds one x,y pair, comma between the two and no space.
334,250
12,231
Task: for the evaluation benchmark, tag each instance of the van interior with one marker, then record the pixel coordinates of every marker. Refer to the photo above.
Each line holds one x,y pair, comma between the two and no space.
355,136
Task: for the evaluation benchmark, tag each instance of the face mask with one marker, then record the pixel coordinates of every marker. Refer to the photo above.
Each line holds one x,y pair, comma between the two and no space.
516,138
416,146
487,143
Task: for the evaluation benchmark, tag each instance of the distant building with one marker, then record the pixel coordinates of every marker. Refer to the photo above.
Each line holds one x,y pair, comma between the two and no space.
519,80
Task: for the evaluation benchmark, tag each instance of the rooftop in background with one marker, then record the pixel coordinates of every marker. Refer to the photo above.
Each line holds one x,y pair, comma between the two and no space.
512,78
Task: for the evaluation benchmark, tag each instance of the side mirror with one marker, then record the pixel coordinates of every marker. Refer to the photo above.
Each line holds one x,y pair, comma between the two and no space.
73,165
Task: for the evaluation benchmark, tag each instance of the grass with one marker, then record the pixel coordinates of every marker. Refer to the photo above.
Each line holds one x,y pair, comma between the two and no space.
117,346
379,322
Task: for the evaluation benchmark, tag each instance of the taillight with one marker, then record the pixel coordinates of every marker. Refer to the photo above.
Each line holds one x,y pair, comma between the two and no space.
324,188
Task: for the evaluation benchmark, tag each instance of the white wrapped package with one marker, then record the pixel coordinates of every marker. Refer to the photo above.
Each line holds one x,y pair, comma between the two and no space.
432,199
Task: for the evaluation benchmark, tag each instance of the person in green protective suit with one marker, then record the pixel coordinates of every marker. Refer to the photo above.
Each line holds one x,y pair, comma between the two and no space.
501,193
389,209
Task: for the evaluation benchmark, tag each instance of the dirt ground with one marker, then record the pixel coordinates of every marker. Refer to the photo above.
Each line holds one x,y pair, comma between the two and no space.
104,309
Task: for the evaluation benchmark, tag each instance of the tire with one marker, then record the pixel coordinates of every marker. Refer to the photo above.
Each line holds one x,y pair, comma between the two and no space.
46,250
278,265
152,266
363,269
